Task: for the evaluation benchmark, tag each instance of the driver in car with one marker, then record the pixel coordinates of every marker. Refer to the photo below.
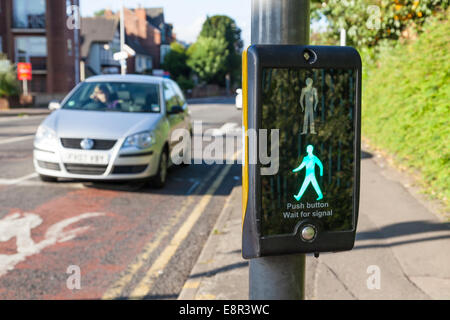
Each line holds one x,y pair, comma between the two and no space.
102,95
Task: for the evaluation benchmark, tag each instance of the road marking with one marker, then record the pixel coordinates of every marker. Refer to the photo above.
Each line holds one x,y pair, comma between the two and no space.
10,182
19,226
227,127
146,283
191,285
115,291
25,117
16,139
24,182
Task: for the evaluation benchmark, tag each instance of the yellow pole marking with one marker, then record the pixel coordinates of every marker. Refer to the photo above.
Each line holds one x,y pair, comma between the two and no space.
161,262
116,289
245,182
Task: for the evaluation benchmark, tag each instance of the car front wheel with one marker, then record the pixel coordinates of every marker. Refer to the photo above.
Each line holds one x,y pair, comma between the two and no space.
159,180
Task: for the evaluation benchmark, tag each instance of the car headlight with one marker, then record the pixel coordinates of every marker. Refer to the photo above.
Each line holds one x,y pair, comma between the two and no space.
45,136
140,140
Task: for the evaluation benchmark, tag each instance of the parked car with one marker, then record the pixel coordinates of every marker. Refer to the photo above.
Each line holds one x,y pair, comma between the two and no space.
239,99
112,127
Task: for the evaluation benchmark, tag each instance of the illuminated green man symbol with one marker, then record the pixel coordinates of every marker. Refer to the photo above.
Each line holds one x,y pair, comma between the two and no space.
309,162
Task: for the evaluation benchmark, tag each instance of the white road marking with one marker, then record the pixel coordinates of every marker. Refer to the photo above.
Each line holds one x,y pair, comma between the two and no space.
10,182
226,128
16,139
19,226
25,117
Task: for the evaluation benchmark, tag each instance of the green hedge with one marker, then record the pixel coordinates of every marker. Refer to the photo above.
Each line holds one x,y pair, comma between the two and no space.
406,106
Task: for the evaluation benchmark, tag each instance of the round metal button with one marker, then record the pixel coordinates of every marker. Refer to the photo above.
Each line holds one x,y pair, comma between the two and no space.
309,233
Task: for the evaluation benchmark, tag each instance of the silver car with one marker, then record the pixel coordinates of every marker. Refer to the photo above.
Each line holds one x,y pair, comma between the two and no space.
112,127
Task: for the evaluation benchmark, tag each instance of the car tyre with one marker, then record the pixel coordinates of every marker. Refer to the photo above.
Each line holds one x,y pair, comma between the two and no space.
47,178
159,180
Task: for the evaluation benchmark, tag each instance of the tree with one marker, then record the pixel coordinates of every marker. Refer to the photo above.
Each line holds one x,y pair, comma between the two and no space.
99,13
225,30
9,85
369,21
176,61
207,57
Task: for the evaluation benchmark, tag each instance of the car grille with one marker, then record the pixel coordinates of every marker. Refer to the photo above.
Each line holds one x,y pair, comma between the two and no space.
99,144
94,170
49,165
129,169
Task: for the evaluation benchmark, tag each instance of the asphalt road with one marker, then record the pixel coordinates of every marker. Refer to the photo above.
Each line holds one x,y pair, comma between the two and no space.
125,240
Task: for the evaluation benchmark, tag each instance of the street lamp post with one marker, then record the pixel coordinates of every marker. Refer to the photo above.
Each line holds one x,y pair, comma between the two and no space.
123,63
279,22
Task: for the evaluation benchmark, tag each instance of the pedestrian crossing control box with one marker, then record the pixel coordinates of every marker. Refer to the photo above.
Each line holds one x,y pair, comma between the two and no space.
302,146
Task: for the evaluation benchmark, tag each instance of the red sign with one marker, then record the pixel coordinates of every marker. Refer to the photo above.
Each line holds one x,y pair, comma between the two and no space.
24,71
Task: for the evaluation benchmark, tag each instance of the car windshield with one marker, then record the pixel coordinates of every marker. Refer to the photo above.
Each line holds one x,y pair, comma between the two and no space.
115,97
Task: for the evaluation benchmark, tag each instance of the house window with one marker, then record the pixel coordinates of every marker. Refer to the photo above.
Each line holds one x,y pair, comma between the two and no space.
1,44
32,49
29,14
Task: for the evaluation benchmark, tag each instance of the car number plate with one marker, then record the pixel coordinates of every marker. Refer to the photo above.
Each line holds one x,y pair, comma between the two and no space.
86,158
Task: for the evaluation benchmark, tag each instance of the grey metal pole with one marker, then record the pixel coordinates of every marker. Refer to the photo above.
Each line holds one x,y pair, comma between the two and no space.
279,22
123,62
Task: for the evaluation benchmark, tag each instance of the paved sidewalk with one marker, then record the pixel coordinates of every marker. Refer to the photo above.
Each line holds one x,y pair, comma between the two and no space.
19,112
220,272
397,235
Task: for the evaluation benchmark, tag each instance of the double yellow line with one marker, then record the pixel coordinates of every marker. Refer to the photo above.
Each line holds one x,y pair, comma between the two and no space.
146,283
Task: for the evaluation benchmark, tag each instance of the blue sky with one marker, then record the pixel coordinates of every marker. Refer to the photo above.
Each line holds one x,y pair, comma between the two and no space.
187,16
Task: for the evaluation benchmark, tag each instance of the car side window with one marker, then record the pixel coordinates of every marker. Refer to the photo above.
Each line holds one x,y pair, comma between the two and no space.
170,97
179,94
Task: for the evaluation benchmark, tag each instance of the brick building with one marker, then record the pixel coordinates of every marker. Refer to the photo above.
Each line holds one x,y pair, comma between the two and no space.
147,32
36,31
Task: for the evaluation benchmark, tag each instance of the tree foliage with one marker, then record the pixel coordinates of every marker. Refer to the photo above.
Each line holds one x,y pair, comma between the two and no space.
176,61
9,85
99,13
223,54
406,106
370,21
207,57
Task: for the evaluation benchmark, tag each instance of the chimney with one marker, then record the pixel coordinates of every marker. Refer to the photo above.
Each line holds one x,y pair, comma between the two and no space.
141,15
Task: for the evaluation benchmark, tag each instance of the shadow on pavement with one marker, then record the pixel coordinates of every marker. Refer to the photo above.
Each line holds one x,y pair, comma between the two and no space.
398,243
366,155
402,229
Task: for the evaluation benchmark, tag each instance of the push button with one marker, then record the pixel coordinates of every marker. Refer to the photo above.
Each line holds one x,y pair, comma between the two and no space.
309,233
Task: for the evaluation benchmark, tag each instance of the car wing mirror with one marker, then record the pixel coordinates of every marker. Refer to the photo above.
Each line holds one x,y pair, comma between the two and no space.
176,110
54,105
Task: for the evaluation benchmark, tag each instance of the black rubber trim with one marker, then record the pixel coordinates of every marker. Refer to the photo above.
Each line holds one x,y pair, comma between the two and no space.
131,155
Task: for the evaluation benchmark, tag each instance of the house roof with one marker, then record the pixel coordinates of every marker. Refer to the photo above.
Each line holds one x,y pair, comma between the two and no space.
97,29
134,43
155,16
